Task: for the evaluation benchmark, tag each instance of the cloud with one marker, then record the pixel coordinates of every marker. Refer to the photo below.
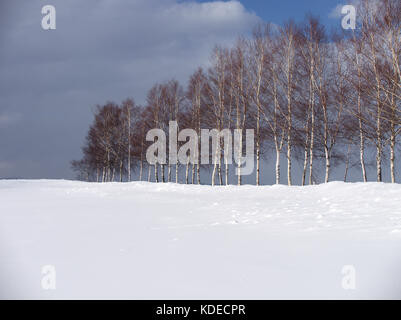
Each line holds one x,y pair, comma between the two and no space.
335,13
101,50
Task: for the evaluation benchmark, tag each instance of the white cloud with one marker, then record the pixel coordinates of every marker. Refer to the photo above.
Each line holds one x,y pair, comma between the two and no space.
336,12
121,42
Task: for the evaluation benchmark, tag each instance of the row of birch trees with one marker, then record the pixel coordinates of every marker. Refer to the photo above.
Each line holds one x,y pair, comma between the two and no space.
314,99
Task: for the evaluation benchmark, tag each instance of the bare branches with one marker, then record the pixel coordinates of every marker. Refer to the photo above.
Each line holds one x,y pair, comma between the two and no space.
314,95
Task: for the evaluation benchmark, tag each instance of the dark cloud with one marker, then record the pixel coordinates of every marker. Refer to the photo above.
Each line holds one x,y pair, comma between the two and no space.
101,50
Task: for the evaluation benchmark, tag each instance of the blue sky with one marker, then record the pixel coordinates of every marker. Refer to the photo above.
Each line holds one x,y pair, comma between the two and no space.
278,11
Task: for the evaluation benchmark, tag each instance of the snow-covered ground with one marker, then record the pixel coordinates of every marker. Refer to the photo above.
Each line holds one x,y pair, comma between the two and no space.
166,241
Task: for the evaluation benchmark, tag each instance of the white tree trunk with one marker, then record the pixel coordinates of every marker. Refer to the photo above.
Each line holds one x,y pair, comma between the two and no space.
187,172
226,174
140,170
347,162
214,174
327,155
277,165
258,148
198,173
362,152
162,170
156,173
312,139
392,158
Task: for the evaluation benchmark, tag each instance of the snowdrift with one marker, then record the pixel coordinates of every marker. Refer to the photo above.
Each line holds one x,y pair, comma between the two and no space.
166,241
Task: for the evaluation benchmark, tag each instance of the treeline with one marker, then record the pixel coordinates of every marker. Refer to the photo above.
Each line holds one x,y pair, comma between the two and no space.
312,97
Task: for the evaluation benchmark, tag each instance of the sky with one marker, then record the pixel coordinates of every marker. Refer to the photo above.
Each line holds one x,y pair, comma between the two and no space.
279,11
102,50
